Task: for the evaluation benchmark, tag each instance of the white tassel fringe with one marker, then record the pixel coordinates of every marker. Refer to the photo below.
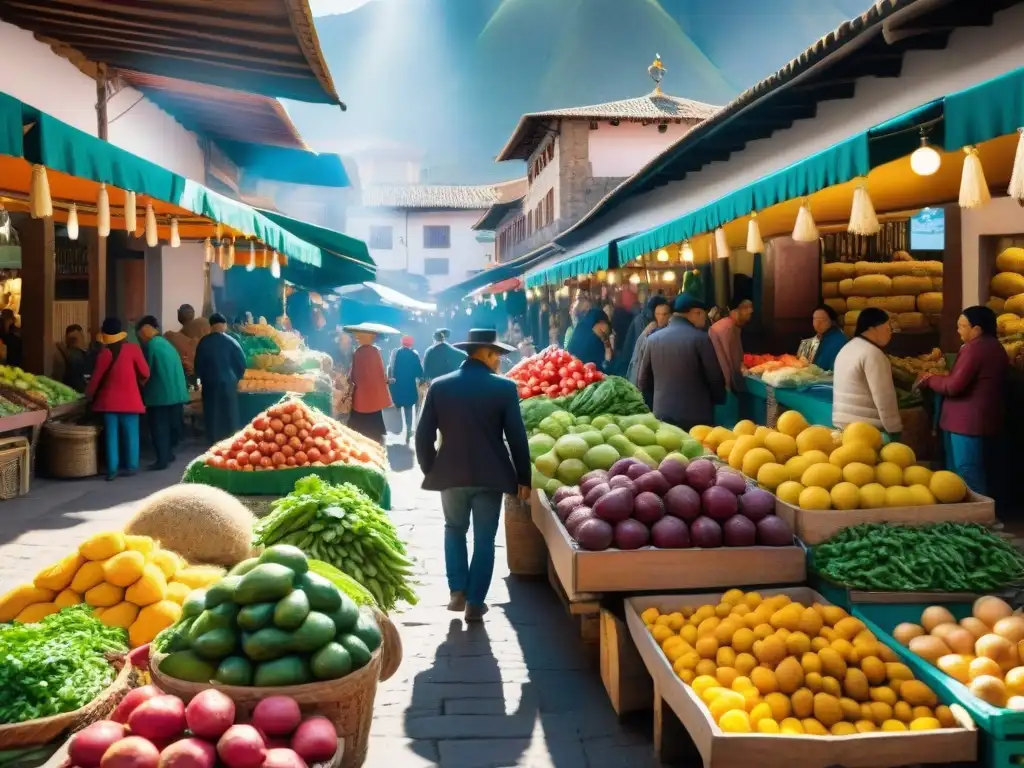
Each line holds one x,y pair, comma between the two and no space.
754,242
39,201
207,251
103,212
805,230
131,222
973,186
863,220
73,222
721,244
275,267
252,257
175,237
152,233
1016,188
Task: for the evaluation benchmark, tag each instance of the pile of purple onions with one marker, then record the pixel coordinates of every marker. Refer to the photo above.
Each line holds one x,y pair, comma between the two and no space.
676,506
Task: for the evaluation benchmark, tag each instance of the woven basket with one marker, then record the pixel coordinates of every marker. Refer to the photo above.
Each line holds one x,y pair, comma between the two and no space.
525,550
45,730
10,472
772,409
348,702
391,646
71,450
258,505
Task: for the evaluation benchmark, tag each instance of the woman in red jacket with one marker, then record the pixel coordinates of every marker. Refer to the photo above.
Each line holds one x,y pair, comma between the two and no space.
974,393
115,389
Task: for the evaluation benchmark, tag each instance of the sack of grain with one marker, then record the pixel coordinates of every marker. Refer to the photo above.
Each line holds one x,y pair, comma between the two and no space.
930,302
868,268
1013,304
856,302
839,305
911,284
933,268
850,319
838,270
1007,284
911,321
829,290
936,283
1011,260
875,285
846,287
997,304
894,304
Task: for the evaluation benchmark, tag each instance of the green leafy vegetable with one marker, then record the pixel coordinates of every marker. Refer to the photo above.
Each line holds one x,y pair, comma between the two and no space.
359,594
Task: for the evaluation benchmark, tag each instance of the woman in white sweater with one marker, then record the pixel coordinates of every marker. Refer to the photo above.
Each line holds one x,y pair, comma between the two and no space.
863,388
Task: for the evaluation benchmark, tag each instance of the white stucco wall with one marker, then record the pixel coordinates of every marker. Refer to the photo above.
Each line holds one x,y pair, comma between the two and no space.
34,74
465,255
544,181
622,150
182,281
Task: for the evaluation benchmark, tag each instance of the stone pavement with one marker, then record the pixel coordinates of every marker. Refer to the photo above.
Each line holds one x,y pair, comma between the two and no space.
517,691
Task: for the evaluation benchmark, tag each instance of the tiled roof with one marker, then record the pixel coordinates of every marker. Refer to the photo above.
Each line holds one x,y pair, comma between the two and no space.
492,217
655,107
449,197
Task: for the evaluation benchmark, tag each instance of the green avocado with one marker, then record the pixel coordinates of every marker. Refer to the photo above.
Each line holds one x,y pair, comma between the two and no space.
331,662
256,616
288,670
346,615
315,632
323,595
185,665
366,629
266,644
215,644
244,567
234,670
264,583
222,592
291,610
356,649
287,555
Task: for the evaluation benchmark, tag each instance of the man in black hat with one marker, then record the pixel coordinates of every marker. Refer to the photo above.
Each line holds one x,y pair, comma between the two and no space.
442,358
680,365
476,413
220,365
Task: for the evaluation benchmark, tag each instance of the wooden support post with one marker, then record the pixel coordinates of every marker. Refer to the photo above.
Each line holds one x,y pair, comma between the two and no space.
672,743
952,280
623,673
97,255
38,270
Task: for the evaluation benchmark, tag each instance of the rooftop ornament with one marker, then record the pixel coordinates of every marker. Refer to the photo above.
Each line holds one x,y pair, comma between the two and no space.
657,72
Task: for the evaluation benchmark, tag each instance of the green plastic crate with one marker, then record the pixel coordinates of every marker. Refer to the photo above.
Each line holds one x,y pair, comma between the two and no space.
883,618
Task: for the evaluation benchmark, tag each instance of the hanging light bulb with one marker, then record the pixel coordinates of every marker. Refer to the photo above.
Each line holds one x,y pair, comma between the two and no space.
669,276
175,237
612,278
925,160
252,257
73,222
687,252
634,279
275,267
663,255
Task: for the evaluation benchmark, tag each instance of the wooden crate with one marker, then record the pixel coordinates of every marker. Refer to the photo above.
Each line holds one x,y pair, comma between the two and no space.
584,609
647,569
623,673
813,526
674,700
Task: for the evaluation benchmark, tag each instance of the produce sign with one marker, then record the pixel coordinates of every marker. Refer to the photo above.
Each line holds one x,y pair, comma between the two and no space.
270,622
57,665
818,468
982,651
614,396
564,448
43,390
947,557
340,525
553,372
775,666
676,506
150,729
129,581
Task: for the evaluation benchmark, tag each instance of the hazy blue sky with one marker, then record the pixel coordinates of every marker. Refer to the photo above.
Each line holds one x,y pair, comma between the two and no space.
327,7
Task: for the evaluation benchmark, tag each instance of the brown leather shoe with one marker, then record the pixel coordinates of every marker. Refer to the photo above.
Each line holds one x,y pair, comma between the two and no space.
457,602
475,613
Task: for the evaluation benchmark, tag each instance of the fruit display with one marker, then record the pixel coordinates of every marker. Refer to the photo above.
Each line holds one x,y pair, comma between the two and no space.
151,729
283,339
563,448
679,505
946,557
906,370
9,407
772,665
911,291
984,651
795,376
759,364
552,372
130,582
813,467
341,525
614,396
55,665
270,622
266,381
255,346
1007,301
43,390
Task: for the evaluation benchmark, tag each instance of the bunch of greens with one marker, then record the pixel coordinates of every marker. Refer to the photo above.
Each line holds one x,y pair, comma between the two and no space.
342,526
57,665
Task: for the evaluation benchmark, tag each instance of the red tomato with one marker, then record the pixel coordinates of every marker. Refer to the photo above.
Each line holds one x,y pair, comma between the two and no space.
265,462
231,464
563,371
303,433
535,390
308,444
276,425
330,457
249,446
260,423
268,448
281,439
320,430
524,393
229,454
301,459
242,458
254,457
288,407
268,435
590,366
290,430
286,418
577,376
237,445
287,450
574,365
580,384
295,443
278,459
246,468
290,461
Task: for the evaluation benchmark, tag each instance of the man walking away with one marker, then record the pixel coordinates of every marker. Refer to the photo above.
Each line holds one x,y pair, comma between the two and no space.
442,358
220,365
476,412
680,365
165,393
404,376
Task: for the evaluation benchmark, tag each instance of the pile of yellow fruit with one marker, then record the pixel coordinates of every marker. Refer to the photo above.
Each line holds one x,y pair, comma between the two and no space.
933,362
984,651
267,381
771,665
130,580
814,467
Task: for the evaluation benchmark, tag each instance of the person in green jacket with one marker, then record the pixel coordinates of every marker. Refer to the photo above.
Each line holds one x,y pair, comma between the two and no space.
165,392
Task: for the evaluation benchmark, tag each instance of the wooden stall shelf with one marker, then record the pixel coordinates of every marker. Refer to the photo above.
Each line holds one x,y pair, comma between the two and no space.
584,610
623,673
718,749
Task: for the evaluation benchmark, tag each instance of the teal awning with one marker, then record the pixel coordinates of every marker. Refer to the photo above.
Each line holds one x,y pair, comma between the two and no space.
984,111
345,260
10,127
580,264
328,239
292,166
496,274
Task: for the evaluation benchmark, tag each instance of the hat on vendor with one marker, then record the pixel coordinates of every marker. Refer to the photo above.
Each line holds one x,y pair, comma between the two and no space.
375,329
112,331
483,337
441,334
684,302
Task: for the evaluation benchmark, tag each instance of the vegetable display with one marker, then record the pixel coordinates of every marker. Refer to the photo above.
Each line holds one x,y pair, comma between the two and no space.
150,729
614,396
340,525
266,381
44,390
129,581
56,665
946,557
677,506
983,650
284,340
270,622
814,467
552,372
775,666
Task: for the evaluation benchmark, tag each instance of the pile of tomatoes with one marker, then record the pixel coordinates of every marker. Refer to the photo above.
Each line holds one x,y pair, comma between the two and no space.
553,372
290,435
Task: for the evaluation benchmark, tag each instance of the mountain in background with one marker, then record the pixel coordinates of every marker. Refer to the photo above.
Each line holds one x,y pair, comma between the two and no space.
452,77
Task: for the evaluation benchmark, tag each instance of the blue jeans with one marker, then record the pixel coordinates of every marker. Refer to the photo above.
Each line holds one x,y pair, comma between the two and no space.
115,427
459,504
410,425
965,455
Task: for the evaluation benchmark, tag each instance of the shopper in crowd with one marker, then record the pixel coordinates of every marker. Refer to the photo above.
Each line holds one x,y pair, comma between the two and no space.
342,354
592,339
476,413
10,335
680,367
165,393
973,397
71,363
639,324
577,312
863,389
827,341
726,338
404,375
622,316
442,358
370,394
660,312
115,389
220,365
186,339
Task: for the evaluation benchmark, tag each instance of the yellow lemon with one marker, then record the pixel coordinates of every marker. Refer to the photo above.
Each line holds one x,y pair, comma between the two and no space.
923,496
899,454
948,487
814,498
744,427
661,633
735,721
772,475
860,433
858,474
821,476
815,439
898,496
650,615
789,492
845,496
796,466
767,725
872,496
790,423
702,683
849,454
889,474
783,446
917,475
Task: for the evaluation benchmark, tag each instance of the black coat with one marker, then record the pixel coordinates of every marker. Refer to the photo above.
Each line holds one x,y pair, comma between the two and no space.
476,413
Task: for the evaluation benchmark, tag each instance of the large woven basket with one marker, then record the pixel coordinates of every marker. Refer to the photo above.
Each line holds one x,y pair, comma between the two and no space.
258,505
525,550
348,702
391,646
71,450
46,729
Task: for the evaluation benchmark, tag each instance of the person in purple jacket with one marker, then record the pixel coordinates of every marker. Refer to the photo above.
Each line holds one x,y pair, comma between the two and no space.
973,396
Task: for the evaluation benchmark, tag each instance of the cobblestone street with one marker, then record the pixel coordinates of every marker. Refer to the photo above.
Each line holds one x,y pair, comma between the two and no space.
520,690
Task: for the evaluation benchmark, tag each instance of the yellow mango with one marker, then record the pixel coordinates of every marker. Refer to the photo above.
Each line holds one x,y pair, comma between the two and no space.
150,588
36,612
143,544
168,562
20,598
67,598
88,576
59,575
152,620
122,615
124,568
103,545
104,595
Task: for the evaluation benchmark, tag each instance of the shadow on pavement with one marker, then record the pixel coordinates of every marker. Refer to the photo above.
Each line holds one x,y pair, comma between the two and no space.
401,457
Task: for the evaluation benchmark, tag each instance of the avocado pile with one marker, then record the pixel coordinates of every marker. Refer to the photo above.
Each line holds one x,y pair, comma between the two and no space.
269,622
